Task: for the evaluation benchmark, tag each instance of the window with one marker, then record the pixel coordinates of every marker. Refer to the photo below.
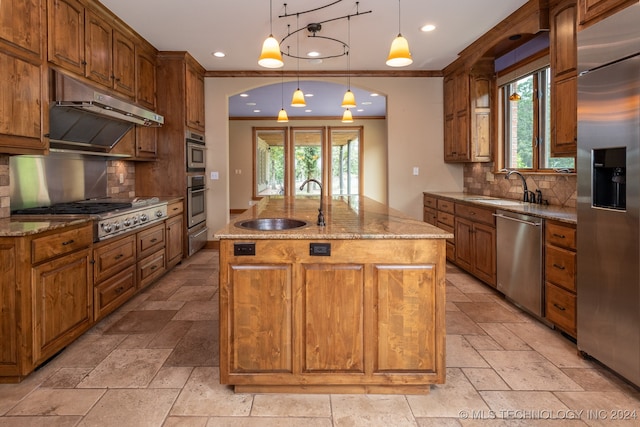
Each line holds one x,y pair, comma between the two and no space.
526,130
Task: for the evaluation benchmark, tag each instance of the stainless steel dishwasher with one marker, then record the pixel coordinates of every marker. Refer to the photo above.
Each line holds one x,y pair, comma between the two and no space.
519,259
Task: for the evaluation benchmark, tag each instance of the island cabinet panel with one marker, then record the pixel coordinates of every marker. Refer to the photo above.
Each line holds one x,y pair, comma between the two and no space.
406,317
368,317
260,317
8,315
333,317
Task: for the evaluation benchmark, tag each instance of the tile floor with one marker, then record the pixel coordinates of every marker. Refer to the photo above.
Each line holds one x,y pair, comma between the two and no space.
154,362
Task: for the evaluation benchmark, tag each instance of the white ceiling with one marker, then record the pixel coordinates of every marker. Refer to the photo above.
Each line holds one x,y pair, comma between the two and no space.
238,28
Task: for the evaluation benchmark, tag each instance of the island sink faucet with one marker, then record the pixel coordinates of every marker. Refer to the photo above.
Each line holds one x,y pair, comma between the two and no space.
525,195
320,214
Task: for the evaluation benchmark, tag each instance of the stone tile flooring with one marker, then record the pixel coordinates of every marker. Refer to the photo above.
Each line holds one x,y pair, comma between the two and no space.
154,362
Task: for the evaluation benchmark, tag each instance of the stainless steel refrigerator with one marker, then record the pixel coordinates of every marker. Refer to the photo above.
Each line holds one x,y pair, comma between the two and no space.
608,166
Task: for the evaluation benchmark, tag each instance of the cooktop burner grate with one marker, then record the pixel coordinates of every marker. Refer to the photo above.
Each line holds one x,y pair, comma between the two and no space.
73,208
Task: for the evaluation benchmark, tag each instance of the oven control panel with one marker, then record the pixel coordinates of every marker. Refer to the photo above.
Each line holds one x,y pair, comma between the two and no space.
124,221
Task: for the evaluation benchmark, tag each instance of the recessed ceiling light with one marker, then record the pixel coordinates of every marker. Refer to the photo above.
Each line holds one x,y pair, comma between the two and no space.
251,104
256,111
308,95
219,54
244,95
360,110
307,111
367,103
428,27
313,54
375,94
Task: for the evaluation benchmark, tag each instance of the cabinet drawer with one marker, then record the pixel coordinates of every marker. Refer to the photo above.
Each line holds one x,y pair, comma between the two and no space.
451,251
430,215
475,214
560,235
448,228
446,206
150,240
560,308
150,268
114,292
560,267
43,248
446,218
113,257
430,202
175,208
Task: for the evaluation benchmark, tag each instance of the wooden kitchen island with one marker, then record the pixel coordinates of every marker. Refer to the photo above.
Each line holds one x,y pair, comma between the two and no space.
356,306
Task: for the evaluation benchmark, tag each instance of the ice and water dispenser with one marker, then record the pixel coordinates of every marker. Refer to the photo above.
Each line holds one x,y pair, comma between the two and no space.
609,178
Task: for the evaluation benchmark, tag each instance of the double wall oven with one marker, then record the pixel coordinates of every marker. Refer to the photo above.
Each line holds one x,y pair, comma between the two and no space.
196,192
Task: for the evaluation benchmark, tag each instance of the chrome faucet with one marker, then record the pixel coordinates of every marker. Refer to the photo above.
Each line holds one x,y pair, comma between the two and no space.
525,195
320,213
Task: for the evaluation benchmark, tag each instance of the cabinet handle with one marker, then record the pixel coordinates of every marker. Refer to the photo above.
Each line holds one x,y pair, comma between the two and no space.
559,307
153,267
175,209
560,236
154,240
560,267
68,242
118,256
120,289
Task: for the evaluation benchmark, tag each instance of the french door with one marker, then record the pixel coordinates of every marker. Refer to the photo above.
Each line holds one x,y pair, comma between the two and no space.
285,157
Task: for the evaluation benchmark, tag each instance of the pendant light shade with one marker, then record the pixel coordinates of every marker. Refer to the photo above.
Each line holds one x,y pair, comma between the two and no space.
271,56
347,117
349,100
282,116
515,97
298,99
399,54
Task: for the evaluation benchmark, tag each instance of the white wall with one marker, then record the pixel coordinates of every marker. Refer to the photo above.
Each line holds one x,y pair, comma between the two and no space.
414,139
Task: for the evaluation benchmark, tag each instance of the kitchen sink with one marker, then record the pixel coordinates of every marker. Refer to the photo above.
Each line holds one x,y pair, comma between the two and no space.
271,224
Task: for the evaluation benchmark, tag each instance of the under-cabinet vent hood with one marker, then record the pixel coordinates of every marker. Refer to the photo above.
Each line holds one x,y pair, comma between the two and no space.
86,120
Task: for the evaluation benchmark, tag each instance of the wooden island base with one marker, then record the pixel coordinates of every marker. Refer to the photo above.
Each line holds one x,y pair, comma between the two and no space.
360,315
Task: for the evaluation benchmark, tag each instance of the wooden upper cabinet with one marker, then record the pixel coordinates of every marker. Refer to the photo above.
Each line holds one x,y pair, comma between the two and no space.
21,24
65,40
564,89
24,113
195,96
592,11
98,49
124,64
146,78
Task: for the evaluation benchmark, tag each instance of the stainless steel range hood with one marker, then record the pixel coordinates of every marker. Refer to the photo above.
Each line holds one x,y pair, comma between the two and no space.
83,119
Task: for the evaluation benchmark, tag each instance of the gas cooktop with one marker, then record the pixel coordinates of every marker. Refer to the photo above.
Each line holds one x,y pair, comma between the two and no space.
89,207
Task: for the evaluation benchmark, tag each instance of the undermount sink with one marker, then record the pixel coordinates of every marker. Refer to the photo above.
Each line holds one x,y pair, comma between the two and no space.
500,202
271,224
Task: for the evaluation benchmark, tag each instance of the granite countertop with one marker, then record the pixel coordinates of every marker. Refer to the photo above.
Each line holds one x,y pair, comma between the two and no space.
557,213
25,226
354,217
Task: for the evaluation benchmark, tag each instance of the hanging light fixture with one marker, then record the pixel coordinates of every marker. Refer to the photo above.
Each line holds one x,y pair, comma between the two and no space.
399,54
347,117
349,99
515,96
270,57
298,97
282,115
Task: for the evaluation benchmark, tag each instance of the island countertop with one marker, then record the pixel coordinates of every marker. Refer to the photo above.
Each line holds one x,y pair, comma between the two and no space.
354,217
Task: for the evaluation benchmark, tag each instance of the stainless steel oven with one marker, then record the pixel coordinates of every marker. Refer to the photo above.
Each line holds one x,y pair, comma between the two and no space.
196,200
196,152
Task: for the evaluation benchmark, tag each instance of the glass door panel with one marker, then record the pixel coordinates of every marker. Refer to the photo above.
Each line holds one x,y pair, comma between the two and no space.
269,158
307,159
345,161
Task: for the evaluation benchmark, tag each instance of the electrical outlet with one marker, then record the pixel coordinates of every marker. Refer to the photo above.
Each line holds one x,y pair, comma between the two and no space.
121,178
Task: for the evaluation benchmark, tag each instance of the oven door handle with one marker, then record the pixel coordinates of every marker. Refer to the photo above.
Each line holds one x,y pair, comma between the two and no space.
200,190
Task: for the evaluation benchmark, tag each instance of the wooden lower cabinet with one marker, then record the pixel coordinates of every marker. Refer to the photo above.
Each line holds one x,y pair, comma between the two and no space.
174,234
476,249
369,318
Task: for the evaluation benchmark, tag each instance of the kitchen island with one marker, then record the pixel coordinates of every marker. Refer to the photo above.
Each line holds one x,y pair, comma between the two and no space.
355,306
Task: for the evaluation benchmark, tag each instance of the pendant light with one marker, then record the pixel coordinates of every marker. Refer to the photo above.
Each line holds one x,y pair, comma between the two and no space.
349,99
347,117
399,54
298,97
282,115
270,56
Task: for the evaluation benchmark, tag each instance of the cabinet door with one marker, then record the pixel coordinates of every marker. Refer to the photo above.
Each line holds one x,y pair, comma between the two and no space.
8,315
564,54
65,19
22,109
174,240
21,24
146,142
463,242
195,98
484,253
146,78
564,117
260,319
406,318
591,11
124,64
99,49
62,303
334,330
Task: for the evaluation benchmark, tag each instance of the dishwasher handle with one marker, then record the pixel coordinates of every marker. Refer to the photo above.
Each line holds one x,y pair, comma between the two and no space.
510,218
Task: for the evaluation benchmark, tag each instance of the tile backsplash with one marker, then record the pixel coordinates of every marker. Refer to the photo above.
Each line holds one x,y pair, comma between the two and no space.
558,189
121,179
